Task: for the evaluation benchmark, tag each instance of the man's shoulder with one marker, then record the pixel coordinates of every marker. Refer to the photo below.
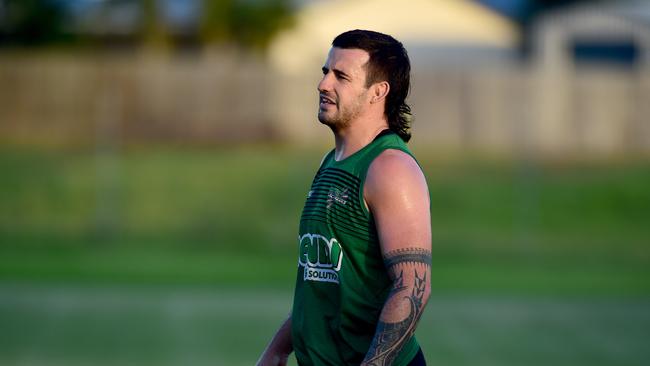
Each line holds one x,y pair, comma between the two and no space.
394,170
395,161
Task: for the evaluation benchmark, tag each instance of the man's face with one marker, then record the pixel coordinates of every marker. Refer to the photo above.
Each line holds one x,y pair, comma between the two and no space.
342,90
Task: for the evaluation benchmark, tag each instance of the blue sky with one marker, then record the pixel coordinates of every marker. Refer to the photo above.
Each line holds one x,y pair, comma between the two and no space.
516,9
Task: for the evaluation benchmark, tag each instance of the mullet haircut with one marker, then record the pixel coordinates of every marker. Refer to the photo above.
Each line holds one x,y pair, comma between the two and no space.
388,62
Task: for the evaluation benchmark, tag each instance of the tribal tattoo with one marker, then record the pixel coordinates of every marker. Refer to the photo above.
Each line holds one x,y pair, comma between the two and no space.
407,255
408,305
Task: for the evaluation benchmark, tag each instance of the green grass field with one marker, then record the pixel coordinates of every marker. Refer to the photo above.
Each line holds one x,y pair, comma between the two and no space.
187,257
134,325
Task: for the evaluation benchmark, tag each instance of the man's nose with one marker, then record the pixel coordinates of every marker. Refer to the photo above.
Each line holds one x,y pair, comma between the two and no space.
324,85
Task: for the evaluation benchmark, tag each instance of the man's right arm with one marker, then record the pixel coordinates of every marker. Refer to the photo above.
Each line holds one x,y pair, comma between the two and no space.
278,351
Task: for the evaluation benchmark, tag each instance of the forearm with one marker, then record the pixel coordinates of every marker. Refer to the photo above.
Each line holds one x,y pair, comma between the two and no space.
410,271
280,347
282,339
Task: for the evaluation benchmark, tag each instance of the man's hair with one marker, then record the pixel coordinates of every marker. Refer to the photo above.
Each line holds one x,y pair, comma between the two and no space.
388,62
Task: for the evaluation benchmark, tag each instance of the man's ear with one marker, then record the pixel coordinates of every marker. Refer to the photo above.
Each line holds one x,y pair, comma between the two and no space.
379,91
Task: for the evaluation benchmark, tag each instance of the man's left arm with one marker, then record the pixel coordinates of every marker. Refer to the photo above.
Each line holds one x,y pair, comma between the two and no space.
397,195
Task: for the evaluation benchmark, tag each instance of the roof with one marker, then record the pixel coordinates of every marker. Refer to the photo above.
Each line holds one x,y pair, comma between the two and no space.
417,23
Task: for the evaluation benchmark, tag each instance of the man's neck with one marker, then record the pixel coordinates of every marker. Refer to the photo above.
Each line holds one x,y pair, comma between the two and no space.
355,137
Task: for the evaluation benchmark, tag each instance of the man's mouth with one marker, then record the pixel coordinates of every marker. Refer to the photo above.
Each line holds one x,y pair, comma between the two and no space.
324,100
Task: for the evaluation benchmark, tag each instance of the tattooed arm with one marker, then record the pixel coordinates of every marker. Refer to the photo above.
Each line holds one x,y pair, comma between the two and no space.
409,269
397,195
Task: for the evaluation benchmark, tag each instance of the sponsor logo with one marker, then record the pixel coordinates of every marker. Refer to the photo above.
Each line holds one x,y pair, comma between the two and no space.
320,258
338,196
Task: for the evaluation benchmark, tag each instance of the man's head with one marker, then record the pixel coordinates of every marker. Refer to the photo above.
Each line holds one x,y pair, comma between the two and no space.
387,69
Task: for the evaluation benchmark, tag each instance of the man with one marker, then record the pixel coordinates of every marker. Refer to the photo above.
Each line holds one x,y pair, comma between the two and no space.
365,233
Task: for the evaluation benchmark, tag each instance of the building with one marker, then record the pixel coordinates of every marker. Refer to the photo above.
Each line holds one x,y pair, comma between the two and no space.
592,65
434,32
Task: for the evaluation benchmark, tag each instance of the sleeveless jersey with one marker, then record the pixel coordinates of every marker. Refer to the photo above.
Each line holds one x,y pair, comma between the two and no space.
342,282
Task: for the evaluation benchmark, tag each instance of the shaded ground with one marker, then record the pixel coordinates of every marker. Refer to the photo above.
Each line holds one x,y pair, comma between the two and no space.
136,325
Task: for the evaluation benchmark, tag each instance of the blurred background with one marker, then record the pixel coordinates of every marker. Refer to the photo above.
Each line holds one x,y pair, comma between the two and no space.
155,156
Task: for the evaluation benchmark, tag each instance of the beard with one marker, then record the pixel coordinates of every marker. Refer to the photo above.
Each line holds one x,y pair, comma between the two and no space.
338,119
342,116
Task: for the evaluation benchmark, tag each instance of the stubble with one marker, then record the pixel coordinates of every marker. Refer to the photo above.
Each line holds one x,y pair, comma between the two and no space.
344,115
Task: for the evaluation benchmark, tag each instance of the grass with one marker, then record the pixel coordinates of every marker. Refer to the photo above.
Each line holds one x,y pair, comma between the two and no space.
135,325
199,215
178,267
187,257
236,200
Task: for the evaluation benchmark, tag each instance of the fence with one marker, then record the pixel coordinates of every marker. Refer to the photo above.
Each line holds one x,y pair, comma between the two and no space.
225,97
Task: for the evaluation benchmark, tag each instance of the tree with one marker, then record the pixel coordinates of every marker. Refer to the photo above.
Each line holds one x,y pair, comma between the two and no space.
244,22
31,22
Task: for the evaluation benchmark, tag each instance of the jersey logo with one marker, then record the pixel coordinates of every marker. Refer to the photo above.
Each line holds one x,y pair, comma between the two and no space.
320,258
338,196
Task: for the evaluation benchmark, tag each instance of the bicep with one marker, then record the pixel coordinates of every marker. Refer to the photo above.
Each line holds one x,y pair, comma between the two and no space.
398,197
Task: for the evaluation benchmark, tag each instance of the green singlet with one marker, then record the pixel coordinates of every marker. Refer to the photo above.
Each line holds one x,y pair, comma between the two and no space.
342,283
